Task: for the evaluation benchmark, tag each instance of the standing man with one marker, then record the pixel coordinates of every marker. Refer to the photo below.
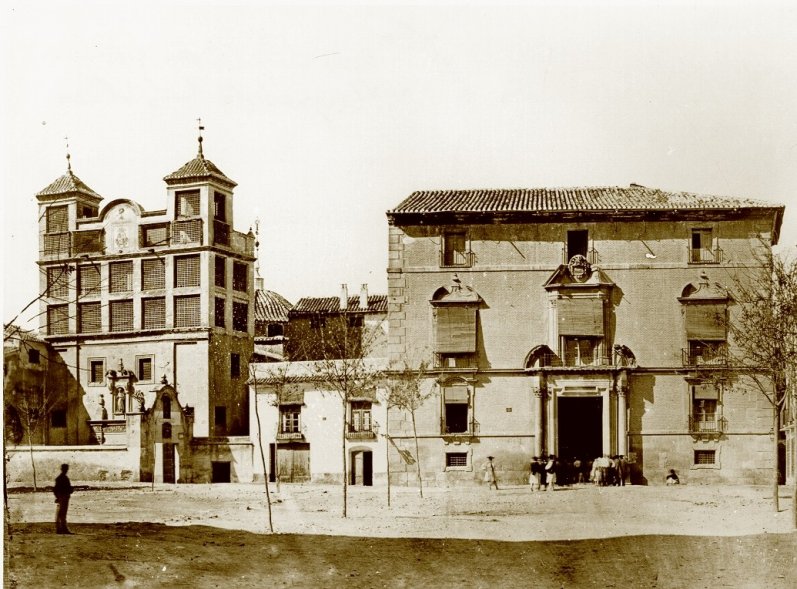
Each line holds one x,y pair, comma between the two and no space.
550,471
62,491
489,473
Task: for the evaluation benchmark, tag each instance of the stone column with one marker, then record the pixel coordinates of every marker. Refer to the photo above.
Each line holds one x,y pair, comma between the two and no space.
622,425
606,418
539,430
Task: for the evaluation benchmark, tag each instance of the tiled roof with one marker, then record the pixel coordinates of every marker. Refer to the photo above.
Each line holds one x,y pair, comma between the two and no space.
66,184
376,304
271,306
541,200
198,169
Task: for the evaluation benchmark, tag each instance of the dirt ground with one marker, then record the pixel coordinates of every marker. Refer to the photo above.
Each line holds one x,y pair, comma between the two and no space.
216,535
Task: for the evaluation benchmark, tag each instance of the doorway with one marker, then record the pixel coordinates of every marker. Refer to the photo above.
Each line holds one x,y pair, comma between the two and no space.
362,468
168,463
580,427
293,463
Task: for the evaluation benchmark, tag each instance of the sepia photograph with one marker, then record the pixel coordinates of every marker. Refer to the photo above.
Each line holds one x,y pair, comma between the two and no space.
399,294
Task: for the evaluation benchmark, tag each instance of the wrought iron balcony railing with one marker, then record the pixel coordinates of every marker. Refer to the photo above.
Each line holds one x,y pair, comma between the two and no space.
705,256
707,423
290,435
716,355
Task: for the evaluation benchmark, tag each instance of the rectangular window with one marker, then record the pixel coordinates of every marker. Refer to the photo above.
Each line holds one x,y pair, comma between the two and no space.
33,356
88,242
220,421
706,321
220,274
87,212
154,235
235,365
360,416
220,309
240,316
58,219
58,282
153,313
186,271
581,351
96,371
144,369
89,280
186,311
153,274
455,459
454,250
701,247
705,456
318,321
219,207
57,319
90,317
456,406
240,273
187,204
121,315
580,316
121,276
455,329
706,353
356,321
577,243
58,418
290,419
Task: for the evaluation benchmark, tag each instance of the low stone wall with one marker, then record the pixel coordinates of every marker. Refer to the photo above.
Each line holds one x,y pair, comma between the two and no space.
86,463
236,451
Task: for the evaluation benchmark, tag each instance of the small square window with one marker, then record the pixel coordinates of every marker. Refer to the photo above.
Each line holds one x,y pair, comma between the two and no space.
145,369
33,356
96,371
456,459
705,456
58,418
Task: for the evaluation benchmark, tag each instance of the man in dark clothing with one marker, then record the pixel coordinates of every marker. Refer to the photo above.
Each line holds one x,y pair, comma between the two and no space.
62,491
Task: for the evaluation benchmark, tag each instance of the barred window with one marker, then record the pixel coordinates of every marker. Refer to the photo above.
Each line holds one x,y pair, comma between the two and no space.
221,272
154,235
57,219
239,276
220,309
121,315
96,371
153,313
186,311
153,274
89,279
456,459
240,316
705,457
188,203
121,276
57,319
90,317
58,282
186,271
145,369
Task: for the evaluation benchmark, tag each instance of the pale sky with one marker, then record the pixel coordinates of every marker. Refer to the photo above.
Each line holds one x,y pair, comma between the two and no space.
328,117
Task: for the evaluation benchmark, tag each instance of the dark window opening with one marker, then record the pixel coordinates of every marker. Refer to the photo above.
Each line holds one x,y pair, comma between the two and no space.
240,273
275,329
166,403
240,316
58,418
220,472
145,369
33,356
220,421
577,243
235,365
456,418
219,209
220,272
166,431
456,459
455,250
220,305
96,371
355,320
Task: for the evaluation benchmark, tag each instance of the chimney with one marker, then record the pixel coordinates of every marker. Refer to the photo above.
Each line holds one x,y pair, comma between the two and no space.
364,297
344,297
258,283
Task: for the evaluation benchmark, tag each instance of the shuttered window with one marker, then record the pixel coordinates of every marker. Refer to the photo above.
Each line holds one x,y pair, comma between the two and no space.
456,394
145,369
186,311
89,279
153,274
153,313
705,321
155,235
455,329
580,317
706,391
121,276
186,271
57,319
57,219
188,203
58,282
121,315
90,317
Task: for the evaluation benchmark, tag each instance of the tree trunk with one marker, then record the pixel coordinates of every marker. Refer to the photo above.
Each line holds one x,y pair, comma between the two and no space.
387,452
417,454
345,469
775,474
262,454
32,460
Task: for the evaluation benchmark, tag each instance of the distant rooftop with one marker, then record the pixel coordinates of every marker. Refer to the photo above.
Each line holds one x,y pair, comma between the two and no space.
376,304
271,307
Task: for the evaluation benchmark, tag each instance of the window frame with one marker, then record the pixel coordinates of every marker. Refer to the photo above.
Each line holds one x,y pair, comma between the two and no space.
220,277
58,284
113,278
448,466
240,276
147,275
184,277
361,412
181,196
235,365
196,321
144,315
82,308
63,321
293,411
236,316
448,251
220,312
139,375
83,275
128,324
91,363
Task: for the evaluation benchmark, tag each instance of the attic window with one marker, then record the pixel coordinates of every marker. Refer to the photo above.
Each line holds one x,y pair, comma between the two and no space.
57,219
187,204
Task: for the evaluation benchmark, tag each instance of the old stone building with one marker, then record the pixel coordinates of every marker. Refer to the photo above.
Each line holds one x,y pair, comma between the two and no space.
577,322
148,308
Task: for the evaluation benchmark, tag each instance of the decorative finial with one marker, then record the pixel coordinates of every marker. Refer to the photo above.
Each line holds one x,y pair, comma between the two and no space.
457,282
199,139
68,157
257,247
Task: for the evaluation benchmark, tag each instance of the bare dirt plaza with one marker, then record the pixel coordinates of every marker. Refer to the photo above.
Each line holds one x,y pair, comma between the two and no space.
583,536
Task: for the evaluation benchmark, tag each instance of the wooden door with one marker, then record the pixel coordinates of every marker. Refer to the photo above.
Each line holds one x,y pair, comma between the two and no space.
168,463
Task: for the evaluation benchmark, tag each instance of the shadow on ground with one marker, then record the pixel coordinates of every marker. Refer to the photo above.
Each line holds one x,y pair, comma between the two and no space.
156,555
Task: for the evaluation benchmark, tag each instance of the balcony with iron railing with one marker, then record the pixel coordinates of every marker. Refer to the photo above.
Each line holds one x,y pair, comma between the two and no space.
457,434
707,424
287,435
705,355
221,233
704,255
361,434
456,259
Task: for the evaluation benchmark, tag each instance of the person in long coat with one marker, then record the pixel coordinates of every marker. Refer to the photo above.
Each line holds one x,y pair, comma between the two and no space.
62,491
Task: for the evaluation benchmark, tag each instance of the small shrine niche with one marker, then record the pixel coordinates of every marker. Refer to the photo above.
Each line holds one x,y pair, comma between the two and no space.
123,395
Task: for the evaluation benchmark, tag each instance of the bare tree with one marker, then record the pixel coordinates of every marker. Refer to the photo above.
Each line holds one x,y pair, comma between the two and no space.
405,392
253,378
763,327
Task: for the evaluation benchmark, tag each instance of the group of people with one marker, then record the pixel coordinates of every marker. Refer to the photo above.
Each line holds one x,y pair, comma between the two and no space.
548,471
